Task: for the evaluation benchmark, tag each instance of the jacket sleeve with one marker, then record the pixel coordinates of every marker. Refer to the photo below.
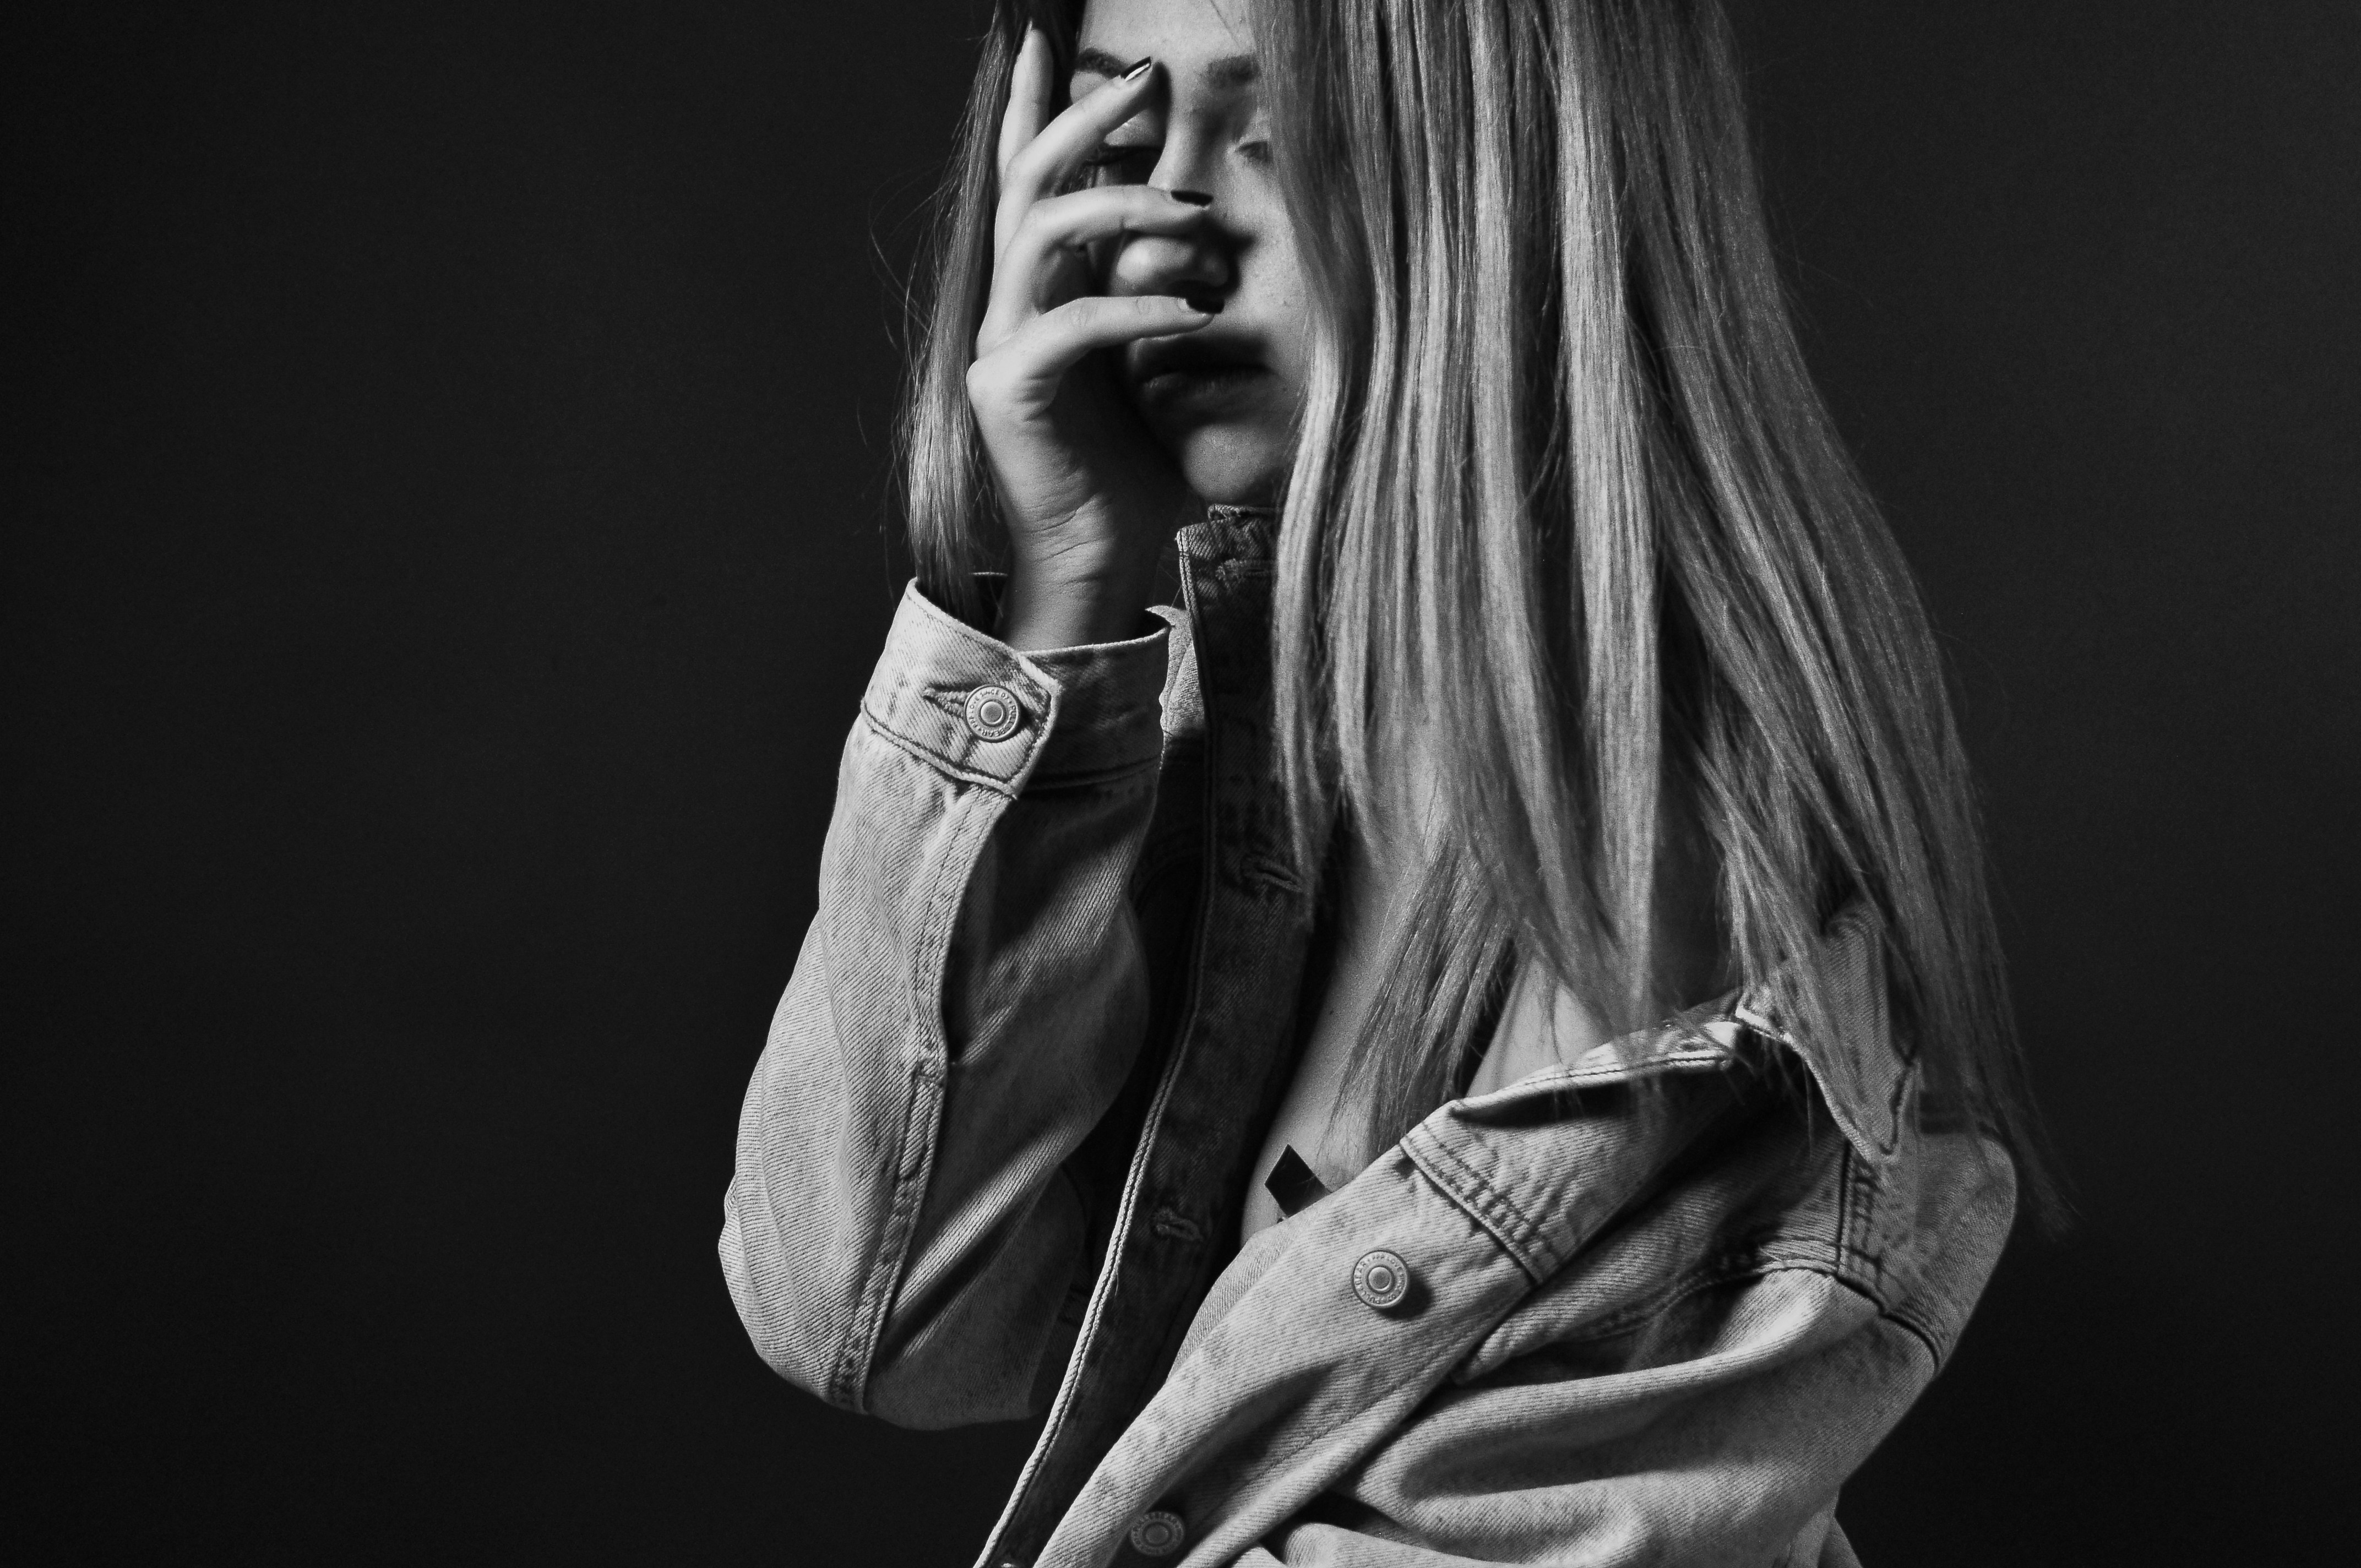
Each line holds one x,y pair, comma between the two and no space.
1649,1308
899,1237
1712,1421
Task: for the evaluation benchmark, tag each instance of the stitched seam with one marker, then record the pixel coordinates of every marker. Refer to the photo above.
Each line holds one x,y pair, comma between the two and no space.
1860,1194
924,1011
1127,1199
1923,1333
925,754
854,1363
951,701
1567,1079
1483,1202
1844,1194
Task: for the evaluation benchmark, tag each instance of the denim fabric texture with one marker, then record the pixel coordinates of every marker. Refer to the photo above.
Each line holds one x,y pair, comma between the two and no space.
1663,1299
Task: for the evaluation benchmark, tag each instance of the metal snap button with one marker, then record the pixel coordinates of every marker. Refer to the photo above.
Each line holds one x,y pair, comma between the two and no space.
1382,1280
1158,1533
992,713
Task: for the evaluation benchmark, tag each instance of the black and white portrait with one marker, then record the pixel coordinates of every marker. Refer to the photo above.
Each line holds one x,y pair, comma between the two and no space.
1249,783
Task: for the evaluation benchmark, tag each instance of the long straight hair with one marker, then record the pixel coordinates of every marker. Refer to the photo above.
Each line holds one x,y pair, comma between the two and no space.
1568,509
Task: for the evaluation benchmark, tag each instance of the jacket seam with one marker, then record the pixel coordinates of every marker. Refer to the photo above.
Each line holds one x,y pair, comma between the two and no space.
1858,1192
1127,1196
1845,1155
913,1150
857,1359
1569,1081
1484,1202
928,754
1925,1332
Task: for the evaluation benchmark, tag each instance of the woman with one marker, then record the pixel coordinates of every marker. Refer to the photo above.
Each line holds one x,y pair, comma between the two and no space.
1479,1036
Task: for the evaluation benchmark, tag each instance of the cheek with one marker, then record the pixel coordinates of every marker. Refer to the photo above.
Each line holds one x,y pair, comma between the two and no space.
1284,311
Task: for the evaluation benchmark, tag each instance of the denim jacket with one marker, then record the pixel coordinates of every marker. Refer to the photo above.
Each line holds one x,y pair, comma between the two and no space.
1652,1304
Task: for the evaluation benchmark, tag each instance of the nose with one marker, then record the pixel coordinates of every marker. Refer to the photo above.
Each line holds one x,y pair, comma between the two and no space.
1204,260
1200,262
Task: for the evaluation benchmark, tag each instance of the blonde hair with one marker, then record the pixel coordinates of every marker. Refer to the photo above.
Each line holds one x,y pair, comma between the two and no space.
1568,504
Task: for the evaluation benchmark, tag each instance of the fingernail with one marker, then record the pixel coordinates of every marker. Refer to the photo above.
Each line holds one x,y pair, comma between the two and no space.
1194,197
1203,304
1138,69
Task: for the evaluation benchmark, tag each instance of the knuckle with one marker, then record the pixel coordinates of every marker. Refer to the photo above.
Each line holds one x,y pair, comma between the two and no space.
1024,170
1047,225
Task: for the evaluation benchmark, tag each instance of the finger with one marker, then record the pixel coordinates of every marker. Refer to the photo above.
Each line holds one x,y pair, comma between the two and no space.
1063,224
1030,363
1029,97
1047,162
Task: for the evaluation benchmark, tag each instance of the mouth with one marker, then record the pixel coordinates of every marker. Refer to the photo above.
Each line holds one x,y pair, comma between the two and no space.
1179,373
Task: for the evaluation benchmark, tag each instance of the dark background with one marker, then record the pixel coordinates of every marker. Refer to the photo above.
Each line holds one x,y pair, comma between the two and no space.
445,454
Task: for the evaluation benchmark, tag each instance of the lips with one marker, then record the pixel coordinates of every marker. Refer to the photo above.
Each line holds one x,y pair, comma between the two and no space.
1190,369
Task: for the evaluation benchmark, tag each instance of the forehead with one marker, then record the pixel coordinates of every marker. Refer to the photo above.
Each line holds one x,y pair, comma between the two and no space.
1187,36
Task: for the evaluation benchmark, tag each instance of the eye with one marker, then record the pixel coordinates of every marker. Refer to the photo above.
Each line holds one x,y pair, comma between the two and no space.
1123,164
1256,150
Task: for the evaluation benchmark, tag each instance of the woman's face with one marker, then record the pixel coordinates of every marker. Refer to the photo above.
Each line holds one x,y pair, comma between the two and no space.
1223,400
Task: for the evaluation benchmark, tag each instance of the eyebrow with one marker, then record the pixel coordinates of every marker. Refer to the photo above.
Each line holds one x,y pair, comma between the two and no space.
1226,75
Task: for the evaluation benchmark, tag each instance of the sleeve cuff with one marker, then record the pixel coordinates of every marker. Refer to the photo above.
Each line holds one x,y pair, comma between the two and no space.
986,712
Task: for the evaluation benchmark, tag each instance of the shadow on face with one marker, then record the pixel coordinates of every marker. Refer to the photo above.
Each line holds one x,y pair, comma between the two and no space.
1222,400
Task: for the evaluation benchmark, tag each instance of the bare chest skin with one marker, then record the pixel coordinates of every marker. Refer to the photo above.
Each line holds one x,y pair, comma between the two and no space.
1323,1115
1320,1117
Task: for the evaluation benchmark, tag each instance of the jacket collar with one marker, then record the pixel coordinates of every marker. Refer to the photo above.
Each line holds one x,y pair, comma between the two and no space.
1865,1075
1864,1078
1228,533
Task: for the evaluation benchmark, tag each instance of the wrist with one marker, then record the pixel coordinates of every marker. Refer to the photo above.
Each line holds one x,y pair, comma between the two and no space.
1042,609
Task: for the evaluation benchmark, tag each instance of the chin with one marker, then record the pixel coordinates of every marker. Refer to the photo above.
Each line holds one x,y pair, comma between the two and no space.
1229,467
